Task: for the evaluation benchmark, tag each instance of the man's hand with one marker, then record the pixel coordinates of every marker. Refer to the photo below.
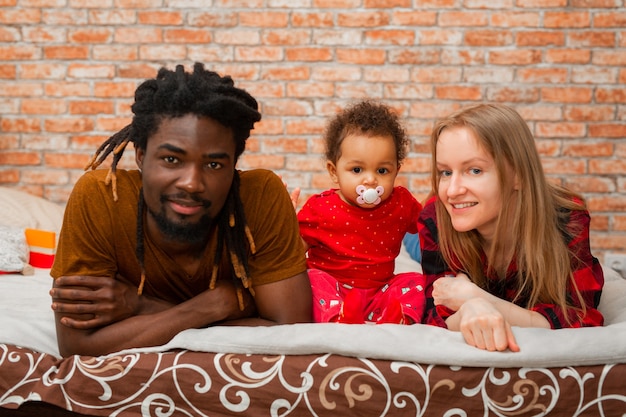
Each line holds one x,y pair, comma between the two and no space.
88,302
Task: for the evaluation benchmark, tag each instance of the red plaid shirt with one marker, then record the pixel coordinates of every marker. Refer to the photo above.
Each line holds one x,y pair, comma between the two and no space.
588,274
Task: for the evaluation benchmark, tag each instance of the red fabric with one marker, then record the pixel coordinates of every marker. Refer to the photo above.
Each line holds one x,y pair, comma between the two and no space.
400,301
357,246
588,274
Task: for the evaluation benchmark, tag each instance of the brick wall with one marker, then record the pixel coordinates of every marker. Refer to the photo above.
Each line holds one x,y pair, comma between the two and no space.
68,70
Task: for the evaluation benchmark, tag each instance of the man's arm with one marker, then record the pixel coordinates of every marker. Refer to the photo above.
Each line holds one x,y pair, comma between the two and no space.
144,329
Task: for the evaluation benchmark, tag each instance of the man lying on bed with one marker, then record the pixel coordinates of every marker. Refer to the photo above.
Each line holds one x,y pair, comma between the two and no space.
187,240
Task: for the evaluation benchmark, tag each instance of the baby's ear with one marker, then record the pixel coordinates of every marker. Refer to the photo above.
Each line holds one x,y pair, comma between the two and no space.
332,171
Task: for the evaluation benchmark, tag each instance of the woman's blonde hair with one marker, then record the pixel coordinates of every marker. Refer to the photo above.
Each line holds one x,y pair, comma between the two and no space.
536,216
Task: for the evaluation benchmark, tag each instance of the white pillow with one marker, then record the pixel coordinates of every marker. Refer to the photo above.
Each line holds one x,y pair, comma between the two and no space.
20,209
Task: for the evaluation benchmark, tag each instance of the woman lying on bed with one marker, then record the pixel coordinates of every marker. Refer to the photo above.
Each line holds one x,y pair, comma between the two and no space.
501,246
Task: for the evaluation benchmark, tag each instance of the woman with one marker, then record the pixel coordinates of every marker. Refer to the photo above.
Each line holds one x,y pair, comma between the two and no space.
502,246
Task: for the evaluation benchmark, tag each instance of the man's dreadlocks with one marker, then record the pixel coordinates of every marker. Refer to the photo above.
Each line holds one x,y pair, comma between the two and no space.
175,94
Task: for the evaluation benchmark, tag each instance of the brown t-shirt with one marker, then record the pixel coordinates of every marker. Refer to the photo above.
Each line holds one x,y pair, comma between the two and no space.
98,237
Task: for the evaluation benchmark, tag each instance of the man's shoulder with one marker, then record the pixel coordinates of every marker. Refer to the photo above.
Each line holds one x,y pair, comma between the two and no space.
97,186
258,180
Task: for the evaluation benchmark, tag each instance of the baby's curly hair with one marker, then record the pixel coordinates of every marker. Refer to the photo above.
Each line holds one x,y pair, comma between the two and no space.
368,118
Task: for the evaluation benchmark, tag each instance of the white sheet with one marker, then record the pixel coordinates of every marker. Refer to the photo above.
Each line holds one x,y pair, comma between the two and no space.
26,320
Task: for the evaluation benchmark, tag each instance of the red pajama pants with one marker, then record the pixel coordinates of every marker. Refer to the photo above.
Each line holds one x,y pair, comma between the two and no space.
401,300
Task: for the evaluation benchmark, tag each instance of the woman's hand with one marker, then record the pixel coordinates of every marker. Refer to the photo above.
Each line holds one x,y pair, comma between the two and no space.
483,326
453,292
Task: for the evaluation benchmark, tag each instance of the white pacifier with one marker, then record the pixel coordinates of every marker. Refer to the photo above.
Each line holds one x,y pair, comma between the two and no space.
369,195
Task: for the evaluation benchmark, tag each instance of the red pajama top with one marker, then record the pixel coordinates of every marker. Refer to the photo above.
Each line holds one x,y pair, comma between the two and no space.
357,246
588,274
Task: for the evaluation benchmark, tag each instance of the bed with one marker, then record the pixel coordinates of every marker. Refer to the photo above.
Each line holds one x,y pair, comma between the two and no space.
303,369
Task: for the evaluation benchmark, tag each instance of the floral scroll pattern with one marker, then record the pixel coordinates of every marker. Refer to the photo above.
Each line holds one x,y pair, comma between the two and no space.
185,383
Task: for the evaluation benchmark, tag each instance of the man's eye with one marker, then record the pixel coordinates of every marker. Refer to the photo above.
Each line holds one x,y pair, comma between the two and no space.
170,159
214,165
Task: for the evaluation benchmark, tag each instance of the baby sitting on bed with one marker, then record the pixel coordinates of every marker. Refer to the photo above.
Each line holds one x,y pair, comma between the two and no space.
353,233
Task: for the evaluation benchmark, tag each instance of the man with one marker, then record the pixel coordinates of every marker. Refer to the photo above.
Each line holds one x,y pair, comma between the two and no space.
186,241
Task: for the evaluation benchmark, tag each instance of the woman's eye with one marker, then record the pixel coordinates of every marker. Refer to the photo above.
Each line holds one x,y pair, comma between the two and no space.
445,173
476,171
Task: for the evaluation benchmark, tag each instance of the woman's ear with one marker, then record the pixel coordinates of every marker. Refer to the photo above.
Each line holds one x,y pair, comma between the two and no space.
332,171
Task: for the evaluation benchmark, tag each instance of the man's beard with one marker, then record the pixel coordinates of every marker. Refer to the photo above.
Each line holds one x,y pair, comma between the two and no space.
184,231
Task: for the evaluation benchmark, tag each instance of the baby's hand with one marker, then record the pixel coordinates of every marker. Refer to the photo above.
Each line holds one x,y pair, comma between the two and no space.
452,292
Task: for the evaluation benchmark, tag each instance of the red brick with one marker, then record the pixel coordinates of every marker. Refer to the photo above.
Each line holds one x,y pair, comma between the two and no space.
308,54
458,93
23,125
114,89
61,89
39,71
611,95
513,94
264,19
610,19
65,52
591,39
465,19
19,16
607,130
361,56
91,107
440,37
312,20
569,56
286,37
362,19
587,113
9,176
560,130
488,38
67,160
44,177
186,36
43,106
22,52
577,19
587,149
567,94
517,57
301,90
543,75
415,57
516,19
540,38
8,71
96,35
390,37
19,158
164,18
212,20
68,125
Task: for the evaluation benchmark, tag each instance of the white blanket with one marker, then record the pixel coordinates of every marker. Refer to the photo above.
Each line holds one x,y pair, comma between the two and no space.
26,320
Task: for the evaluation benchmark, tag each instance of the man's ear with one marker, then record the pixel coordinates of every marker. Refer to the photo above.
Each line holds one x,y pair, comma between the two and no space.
139,154
332,171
